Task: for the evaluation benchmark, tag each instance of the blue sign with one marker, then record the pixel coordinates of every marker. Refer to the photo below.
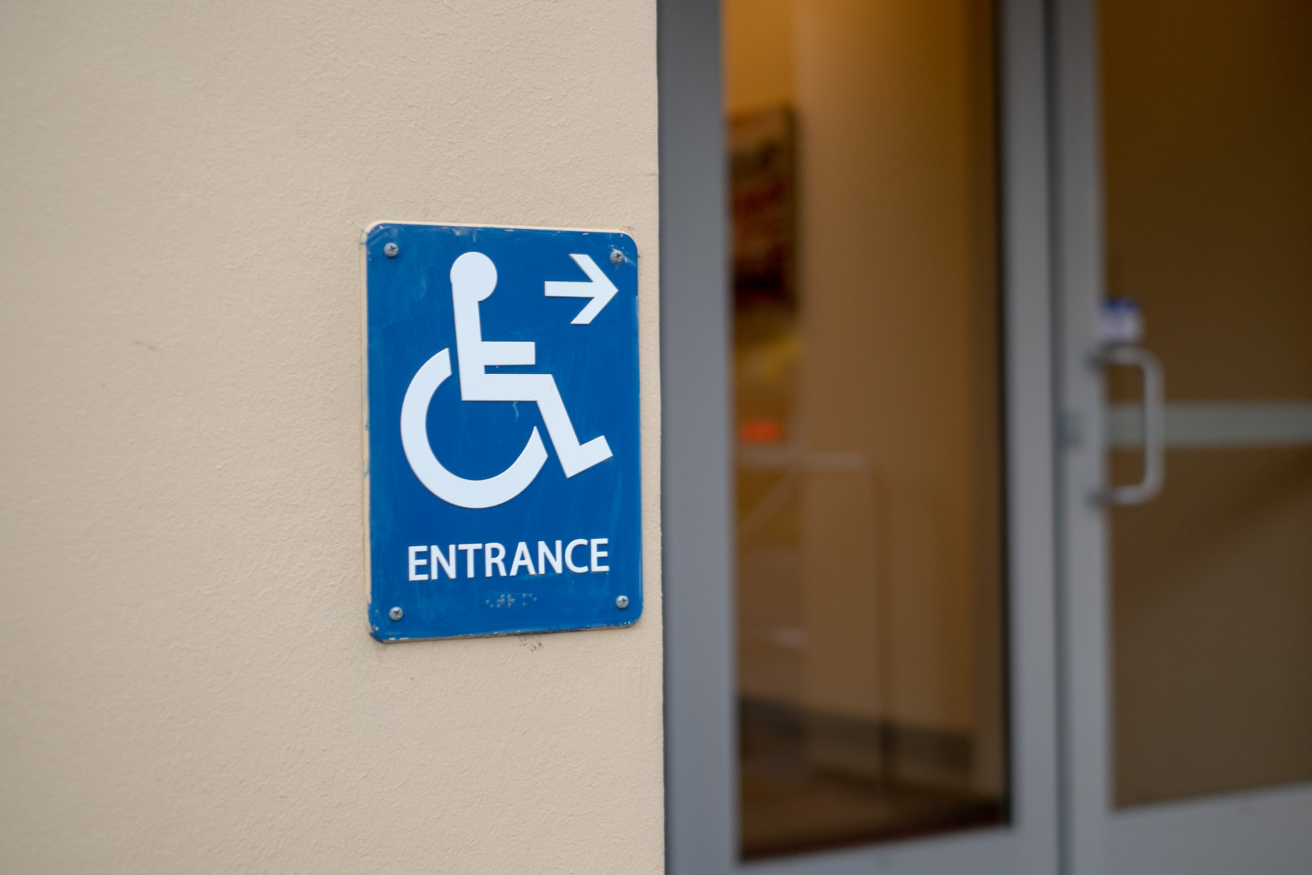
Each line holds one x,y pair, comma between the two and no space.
502,430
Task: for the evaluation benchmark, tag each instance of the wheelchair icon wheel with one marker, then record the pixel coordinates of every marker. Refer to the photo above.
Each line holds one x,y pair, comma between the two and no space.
437,479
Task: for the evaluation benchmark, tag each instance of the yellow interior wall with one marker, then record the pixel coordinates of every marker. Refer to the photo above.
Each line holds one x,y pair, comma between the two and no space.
758,53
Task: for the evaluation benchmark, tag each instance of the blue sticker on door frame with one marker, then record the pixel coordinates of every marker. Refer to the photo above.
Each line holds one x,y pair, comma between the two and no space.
502,430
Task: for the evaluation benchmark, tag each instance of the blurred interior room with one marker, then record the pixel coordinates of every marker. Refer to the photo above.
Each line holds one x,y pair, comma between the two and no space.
886,357
866,413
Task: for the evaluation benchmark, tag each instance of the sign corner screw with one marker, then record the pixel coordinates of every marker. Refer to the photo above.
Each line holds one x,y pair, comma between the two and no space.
616,257
397,613
391,250
621,602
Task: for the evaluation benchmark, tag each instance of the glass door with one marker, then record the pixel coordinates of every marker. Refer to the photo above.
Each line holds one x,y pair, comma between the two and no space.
858,447
867,404
1186,203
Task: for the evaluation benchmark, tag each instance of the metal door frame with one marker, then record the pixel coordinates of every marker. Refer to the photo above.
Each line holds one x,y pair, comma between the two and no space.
696,474
1256,832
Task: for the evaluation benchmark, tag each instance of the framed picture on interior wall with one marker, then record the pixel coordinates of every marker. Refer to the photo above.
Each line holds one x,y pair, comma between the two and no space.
763,174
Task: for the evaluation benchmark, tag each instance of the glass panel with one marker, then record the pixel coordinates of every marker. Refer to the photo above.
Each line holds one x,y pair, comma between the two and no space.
1208,149
866,364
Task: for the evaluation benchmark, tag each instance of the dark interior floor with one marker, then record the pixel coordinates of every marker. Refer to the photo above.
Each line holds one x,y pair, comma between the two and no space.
789,815
789,805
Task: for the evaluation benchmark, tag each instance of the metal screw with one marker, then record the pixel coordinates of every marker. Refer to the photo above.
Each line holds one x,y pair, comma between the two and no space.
616,257
390,250
622,602
396,614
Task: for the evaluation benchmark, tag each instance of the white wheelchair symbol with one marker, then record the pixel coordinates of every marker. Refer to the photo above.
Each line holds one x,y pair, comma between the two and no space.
473,278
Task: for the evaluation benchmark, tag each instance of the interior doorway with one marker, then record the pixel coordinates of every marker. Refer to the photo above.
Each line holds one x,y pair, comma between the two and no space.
909,249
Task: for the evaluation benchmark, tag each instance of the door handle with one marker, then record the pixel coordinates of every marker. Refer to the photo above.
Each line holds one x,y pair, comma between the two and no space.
1154,425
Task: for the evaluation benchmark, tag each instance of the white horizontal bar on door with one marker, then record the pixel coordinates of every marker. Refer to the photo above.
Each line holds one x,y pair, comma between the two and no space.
1217,424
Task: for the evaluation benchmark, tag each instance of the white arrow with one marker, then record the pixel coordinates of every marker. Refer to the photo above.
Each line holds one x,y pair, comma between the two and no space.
598,288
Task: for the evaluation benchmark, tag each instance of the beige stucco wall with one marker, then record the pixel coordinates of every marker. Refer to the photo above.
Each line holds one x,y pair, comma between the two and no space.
187,683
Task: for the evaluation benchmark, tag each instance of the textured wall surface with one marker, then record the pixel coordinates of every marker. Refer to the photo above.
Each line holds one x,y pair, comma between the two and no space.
186,681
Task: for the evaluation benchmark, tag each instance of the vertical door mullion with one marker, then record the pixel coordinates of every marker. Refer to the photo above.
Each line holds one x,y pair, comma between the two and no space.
701,762
1077,282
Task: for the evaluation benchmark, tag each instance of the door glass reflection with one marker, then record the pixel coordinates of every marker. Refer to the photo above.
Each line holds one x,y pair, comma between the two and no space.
1208,149
870,559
